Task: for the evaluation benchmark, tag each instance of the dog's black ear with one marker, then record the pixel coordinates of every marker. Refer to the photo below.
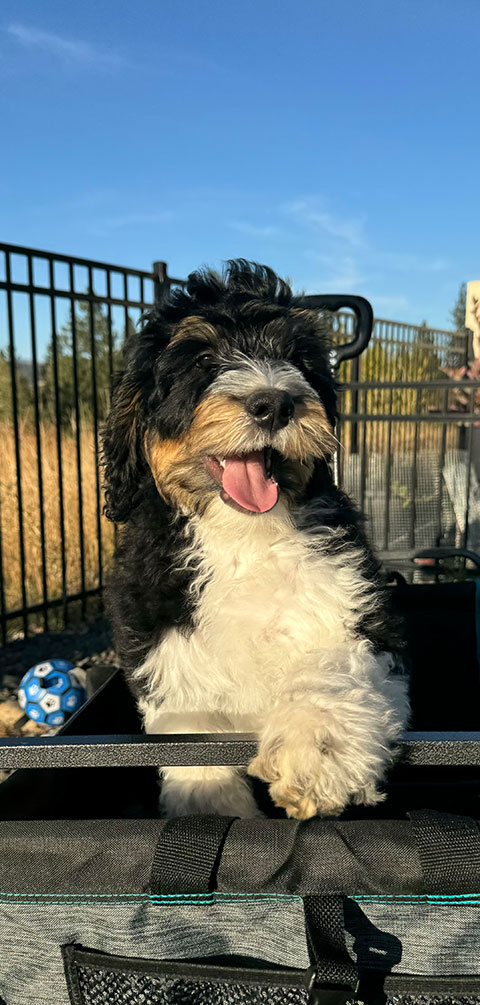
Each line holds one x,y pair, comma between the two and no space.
123,457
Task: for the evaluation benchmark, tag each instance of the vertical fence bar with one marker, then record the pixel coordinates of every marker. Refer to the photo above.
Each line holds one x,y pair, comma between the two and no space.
388,475
95,427
38,438
110,333
468,472
338,451
404,427
443,442
413,508
125,296
126,323
58,431
16,433
355,377
111,367
78,442
363,468
160,281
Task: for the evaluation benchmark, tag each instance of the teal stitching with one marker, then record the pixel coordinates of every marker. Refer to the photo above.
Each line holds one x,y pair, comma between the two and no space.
158,898
446,899
460,898
168,896
430,903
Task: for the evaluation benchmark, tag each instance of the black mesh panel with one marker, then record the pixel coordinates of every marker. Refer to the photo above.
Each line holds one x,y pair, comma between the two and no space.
452,999
103,987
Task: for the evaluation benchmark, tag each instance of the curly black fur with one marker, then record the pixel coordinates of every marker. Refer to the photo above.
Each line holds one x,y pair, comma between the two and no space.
159,391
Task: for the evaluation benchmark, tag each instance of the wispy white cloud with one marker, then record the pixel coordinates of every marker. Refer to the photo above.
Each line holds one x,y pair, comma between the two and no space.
345,274
67,49
344,260
335,273
253,230
312,213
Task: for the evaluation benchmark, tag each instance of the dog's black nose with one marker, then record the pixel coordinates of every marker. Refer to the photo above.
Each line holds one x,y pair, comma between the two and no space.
271,410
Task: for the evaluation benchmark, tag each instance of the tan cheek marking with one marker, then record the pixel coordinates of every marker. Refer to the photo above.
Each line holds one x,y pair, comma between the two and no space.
215,416
311,435
163,455
314,411
173,460
219,424
314,419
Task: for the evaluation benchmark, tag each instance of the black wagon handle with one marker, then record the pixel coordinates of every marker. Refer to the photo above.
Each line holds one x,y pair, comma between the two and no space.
363,311
441,553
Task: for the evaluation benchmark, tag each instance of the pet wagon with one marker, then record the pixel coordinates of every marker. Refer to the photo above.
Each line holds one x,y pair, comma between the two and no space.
102,902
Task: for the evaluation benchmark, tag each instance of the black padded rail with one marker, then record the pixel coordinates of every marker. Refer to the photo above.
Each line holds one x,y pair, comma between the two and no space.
449,749
427,749
139,751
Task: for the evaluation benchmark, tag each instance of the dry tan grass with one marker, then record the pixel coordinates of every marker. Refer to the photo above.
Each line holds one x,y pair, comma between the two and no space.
31,514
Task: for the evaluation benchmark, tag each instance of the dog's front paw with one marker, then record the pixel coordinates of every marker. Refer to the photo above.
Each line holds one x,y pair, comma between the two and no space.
300,793
309,774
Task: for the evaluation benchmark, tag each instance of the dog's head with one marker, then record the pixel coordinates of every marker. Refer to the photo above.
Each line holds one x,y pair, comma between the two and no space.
227,391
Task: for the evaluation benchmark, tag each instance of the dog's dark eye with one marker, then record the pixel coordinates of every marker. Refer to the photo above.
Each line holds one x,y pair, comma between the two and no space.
205,361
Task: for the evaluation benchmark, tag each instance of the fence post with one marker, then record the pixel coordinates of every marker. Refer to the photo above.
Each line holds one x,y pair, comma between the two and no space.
160,281
354,426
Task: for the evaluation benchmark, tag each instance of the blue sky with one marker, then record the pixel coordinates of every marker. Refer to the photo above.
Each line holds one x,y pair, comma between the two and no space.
339,143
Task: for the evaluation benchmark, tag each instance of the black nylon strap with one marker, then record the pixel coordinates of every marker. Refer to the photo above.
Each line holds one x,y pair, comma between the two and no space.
449,850
187,854
324,917
186,860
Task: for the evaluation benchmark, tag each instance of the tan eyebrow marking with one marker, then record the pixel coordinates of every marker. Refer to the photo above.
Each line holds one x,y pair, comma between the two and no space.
194,327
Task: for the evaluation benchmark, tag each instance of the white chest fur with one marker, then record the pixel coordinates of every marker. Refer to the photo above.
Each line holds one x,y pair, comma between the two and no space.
268,596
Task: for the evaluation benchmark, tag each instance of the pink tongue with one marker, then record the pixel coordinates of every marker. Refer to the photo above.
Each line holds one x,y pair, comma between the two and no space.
245,480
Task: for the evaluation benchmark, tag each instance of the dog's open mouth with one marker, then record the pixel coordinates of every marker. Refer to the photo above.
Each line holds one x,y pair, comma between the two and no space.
246,480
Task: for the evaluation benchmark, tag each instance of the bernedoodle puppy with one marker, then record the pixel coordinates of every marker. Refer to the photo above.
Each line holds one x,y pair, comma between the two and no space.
244,595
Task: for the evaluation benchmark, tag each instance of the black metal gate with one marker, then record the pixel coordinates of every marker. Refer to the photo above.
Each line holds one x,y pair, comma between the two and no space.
64,321
408,429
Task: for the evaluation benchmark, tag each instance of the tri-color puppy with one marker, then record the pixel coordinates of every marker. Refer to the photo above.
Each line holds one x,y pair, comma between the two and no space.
244,596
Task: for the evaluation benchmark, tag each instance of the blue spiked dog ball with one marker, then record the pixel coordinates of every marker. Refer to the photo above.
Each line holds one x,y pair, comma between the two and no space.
49,692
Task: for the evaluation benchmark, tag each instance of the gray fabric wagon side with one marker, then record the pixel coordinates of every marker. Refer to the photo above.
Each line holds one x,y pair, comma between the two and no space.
103,902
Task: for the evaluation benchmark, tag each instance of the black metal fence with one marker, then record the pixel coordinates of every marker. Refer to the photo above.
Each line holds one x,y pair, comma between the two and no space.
62,323
415,465
409,454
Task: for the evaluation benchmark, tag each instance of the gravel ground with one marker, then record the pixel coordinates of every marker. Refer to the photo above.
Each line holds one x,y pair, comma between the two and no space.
89,641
